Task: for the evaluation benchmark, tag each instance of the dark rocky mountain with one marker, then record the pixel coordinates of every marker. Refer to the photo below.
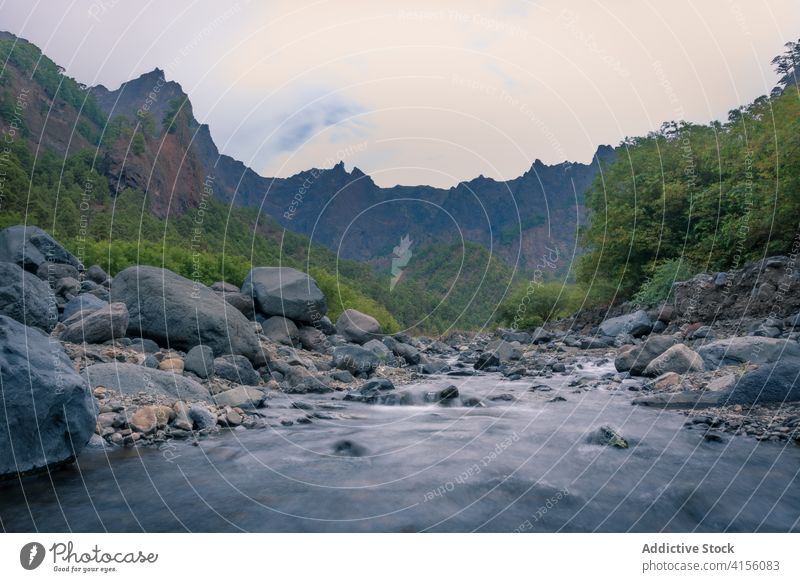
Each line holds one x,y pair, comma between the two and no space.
346,211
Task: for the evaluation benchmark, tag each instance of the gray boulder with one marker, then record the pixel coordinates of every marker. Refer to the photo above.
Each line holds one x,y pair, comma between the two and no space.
54,271
380,349
756,350
202,418
97,274
358,327
243,303
107,323
241,397
236,369
131,378
30,247
312,339
84,302
635,359
409,353
26,298
679,359
280,330
224,287
200,361
636,324
48,413
286,292
355,359
178,313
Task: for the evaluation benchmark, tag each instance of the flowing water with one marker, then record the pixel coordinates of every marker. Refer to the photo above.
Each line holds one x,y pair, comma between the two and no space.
522,463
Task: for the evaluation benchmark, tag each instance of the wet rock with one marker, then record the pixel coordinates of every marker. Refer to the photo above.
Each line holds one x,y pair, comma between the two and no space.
409,353
608,436
286,292
679,359
358,327
144,420
443,396
487,360
371,392
298,380
201,417
200,361
48,412
348,448
104,324
241,397
769,383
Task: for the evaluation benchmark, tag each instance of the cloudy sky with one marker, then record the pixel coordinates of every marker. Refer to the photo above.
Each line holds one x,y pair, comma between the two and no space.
418,91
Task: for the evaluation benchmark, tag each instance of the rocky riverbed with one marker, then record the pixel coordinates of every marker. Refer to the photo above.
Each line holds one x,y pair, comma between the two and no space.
627,422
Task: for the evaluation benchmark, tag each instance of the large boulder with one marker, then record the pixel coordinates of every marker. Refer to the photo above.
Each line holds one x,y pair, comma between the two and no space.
776,382
756,350
26,298
313,339
107,323
236,369
355,360
280,330
286,292
358,327
48,412
84,302
30,247
178,313
636,324
636,358
200,361
132,378
678,359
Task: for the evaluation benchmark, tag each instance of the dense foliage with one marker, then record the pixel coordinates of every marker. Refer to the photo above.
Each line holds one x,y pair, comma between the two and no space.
712,196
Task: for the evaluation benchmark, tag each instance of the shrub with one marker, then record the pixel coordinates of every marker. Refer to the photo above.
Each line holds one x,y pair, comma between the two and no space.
658,286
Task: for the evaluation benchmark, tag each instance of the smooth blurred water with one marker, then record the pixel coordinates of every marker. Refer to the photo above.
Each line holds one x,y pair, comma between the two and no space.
525,465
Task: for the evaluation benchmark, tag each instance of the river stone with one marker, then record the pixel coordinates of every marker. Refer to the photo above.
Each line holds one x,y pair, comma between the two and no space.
26,298
180,314
107,323
286,292
776,382
241,397
370,392
358,327
97,274
403,350
312,339
487,360
182,420
635,359
237,369
280,330
131,378
54,271
144,420
756,350
379,348
30,247
85,302
48,413
243,303
354,359
679,359
201,417
636,324
200,361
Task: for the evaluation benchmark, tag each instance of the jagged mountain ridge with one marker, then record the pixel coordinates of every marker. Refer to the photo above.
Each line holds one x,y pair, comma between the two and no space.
346,211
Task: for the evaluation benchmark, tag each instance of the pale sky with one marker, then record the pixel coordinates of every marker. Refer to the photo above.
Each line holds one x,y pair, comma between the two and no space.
431,92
